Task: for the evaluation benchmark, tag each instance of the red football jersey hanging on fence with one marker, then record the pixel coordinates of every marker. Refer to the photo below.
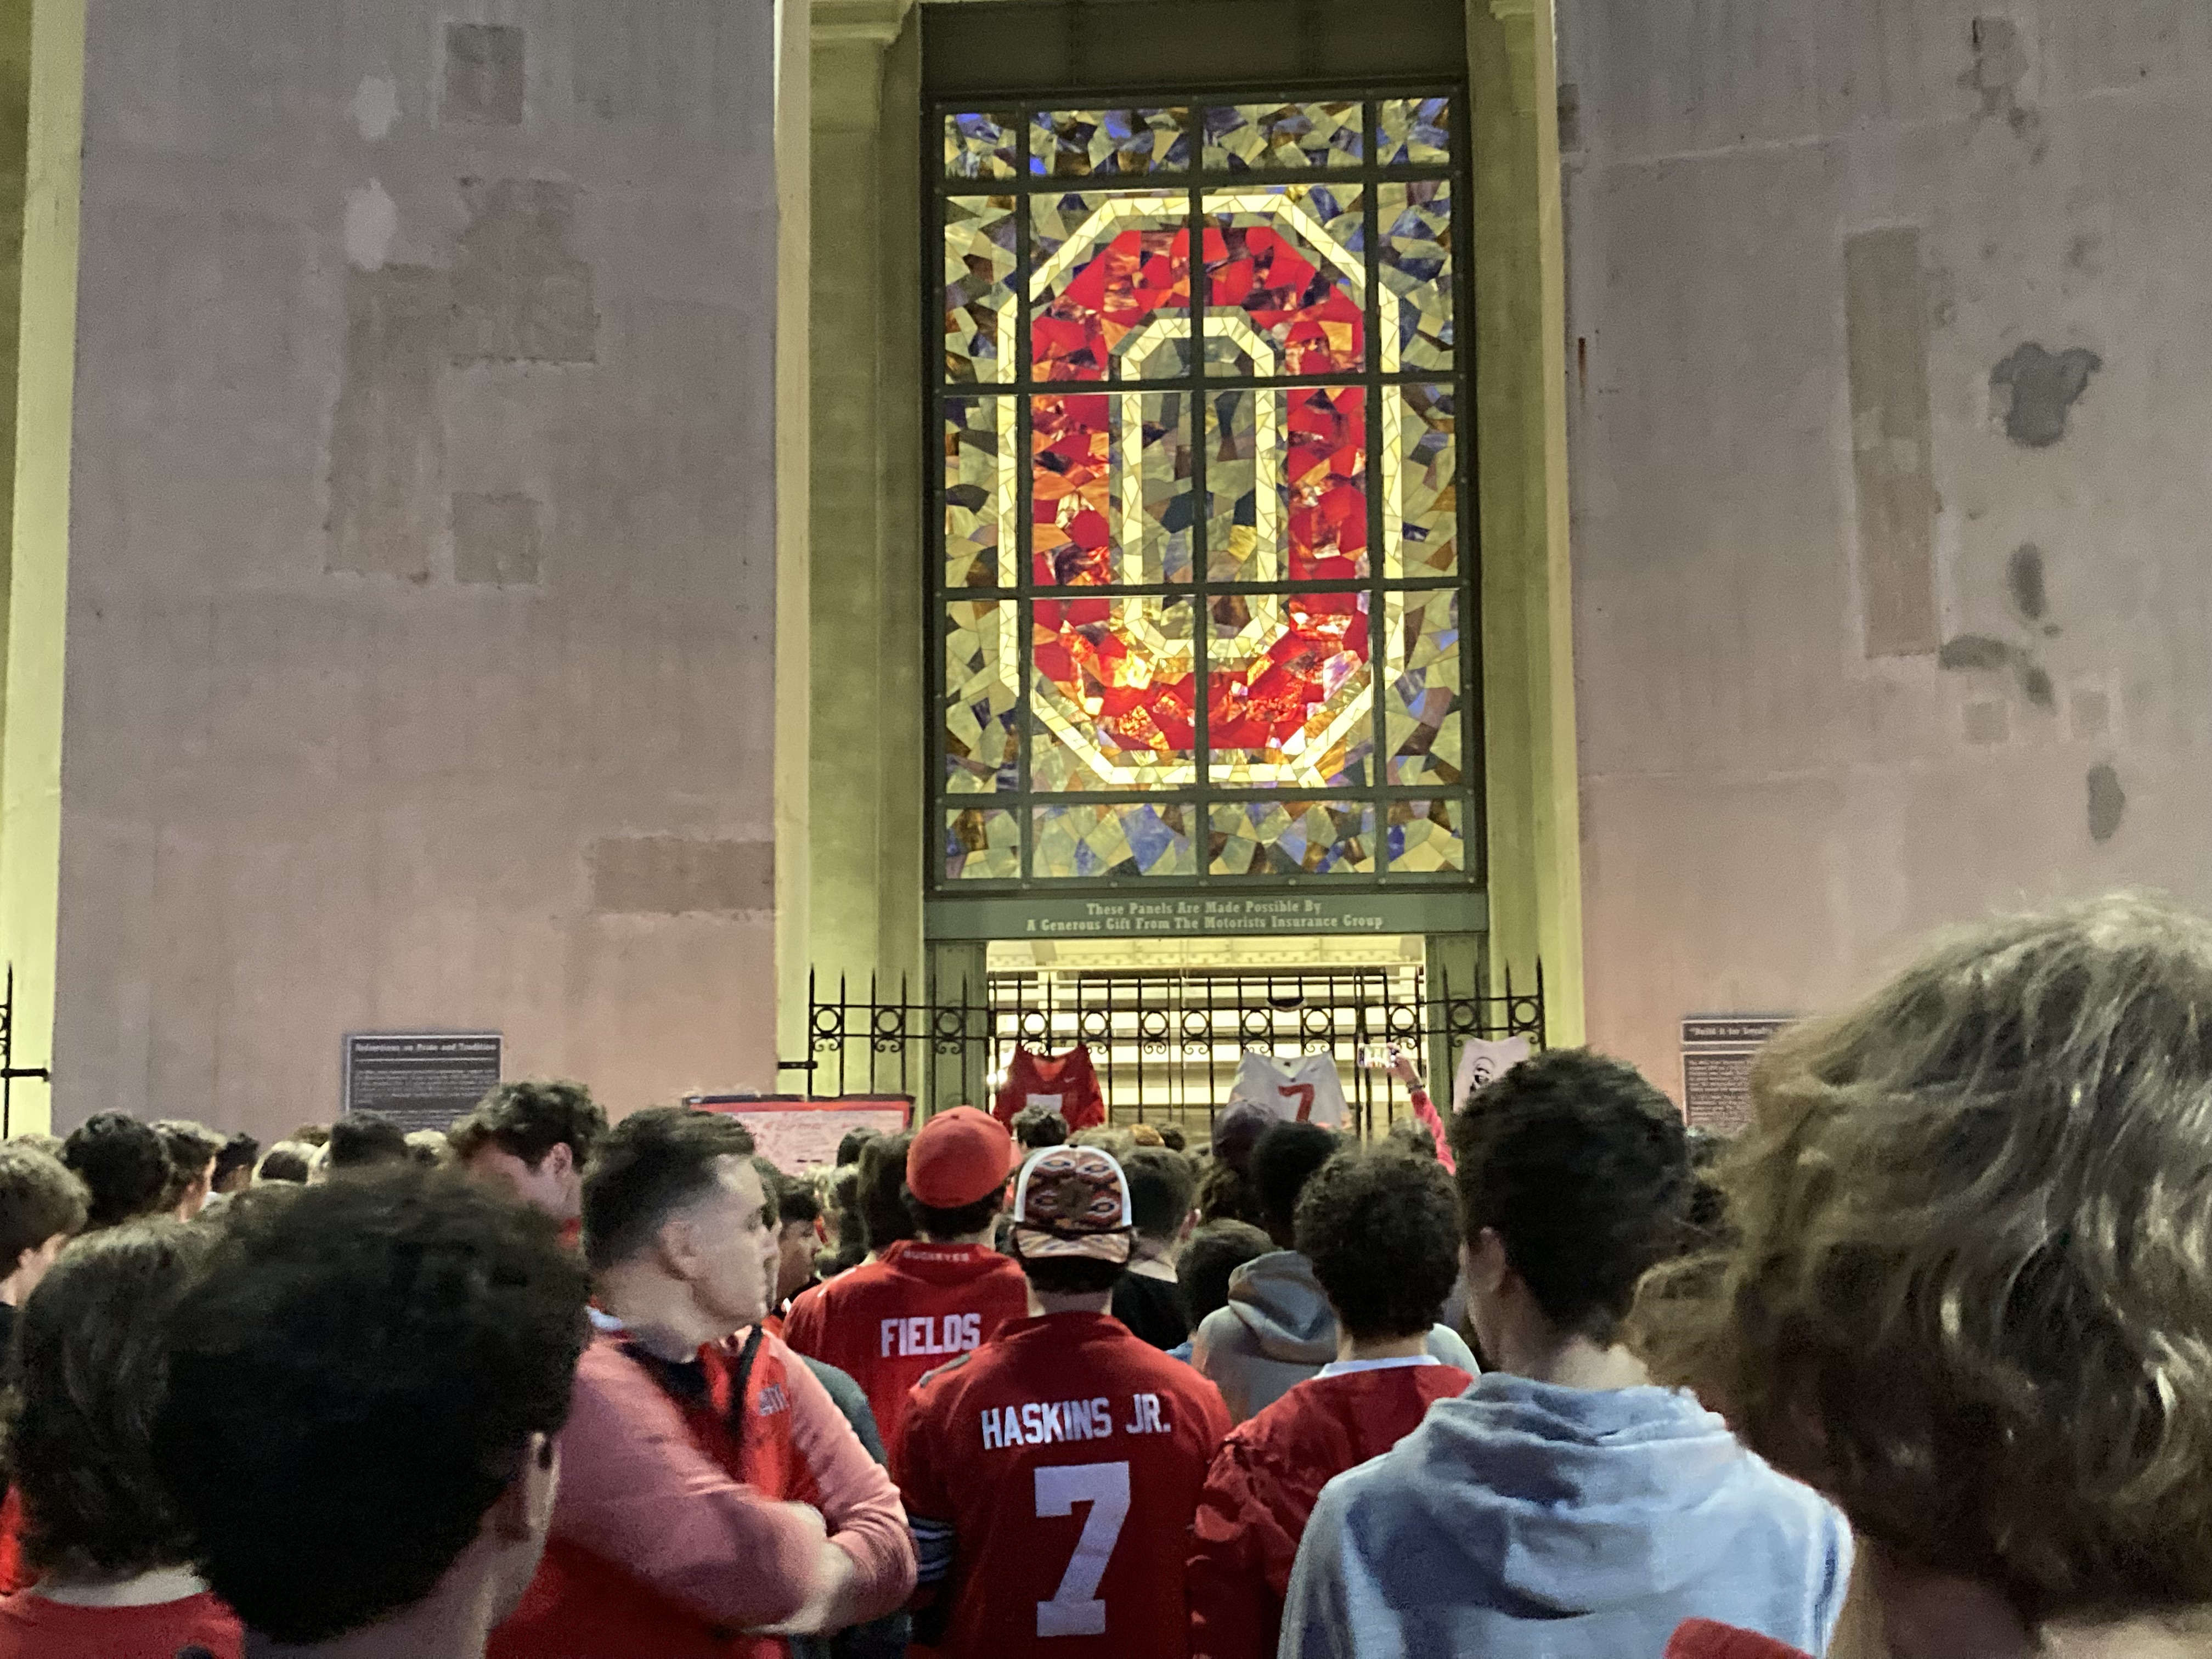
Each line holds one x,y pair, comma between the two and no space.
1065,1084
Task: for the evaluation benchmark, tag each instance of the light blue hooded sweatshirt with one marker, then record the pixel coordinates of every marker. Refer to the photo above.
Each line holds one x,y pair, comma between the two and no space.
1522,1521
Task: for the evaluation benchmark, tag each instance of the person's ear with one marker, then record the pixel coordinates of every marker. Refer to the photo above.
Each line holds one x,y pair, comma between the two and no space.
561,1159
1484,1262
677,1246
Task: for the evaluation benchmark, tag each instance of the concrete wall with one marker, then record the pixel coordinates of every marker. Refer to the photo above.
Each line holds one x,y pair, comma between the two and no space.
421,616
1892,551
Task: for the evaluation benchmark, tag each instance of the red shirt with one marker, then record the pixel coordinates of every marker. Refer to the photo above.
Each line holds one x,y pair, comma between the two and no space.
889,1323
1261,1491
1701,1639
1067,1083
1050,1478
31,1627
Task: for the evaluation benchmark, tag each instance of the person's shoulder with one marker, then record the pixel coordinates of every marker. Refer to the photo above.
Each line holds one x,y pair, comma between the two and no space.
941,1382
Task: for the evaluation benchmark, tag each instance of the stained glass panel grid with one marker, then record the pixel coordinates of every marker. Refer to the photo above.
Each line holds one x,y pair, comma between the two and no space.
1290,689
1414,254
1292,838
1420,471
984,144
1286,484
982,844
1425,670
1082,143
981,473
1427,837
1113,695
1414,131
1111,488
1246,138
982,698
1110,291
1075,842
979,296
1287,280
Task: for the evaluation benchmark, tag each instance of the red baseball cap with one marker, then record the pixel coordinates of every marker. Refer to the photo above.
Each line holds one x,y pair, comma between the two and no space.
959,1158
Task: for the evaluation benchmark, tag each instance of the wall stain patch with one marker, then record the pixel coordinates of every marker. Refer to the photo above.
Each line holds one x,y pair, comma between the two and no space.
1999,65
2036,389
519,294
2024,575
1976,651
484,75
387,442
2108,804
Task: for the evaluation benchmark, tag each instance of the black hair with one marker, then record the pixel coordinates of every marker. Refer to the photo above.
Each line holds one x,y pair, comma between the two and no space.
881,1197
1410,1134
650,1165
852,1230
355,1378
1161,1186
1382,1229
1283,1160
529,1120
284,1162
849,1147
122,1162
361,1140
192,1148
1209,1256
797,1200
39,1198
241,1151
1038,1127
1582,1168
1173,1137
942,1225
1070,1275
80,1420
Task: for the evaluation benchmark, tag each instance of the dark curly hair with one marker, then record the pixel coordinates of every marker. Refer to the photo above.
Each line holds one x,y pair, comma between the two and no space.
1283,1160
651,1165
354,1377
1039,1127
363,1140
529,1120
1382,1229
122,1162
1581,1167
79,1418
942,1225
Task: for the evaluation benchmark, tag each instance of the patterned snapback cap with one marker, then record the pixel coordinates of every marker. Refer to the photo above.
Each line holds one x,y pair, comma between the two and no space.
1073,1202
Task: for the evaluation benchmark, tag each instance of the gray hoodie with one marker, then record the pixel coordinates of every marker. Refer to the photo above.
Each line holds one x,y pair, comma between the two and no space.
1277,1331
1545,1522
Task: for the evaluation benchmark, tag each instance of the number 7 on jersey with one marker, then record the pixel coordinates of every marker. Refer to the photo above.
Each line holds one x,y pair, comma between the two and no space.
1075,1609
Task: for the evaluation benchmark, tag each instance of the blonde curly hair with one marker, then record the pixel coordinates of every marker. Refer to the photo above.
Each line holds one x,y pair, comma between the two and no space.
1967,1289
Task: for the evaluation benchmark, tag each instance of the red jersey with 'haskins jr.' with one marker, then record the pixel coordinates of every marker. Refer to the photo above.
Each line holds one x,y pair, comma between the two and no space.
1050,1478
889,1324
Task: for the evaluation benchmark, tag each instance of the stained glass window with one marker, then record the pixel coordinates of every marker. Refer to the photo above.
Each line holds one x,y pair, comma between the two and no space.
1203,566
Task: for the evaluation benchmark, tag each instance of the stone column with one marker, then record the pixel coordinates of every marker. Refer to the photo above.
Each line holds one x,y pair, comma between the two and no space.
871,693
1521,440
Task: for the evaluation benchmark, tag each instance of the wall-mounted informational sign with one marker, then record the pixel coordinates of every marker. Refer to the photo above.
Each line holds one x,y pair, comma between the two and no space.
1717,1050
1144,916
420,1079
796,1134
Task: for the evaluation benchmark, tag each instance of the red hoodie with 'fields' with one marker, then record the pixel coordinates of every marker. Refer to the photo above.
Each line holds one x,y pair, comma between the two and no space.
1264,1482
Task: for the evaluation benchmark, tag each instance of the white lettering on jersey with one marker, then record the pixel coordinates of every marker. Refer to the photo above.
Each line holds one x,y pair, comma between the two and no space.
927,1336
1144,1416
772,1401
1075,1609
1049,1423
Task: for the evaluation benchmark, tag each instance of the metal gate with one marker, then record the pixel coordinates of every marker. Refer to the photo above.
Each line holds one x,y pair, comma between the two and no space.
1166,1044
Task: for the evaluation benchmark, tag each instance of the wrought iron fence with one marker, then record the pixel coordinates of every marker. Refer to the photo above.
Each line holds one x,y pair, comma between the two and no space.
1165,1045
9,1072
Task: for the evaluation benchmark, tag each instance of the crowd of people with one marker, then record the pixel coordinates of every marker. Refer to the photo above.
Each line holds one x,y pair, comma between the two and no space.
1918,1366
